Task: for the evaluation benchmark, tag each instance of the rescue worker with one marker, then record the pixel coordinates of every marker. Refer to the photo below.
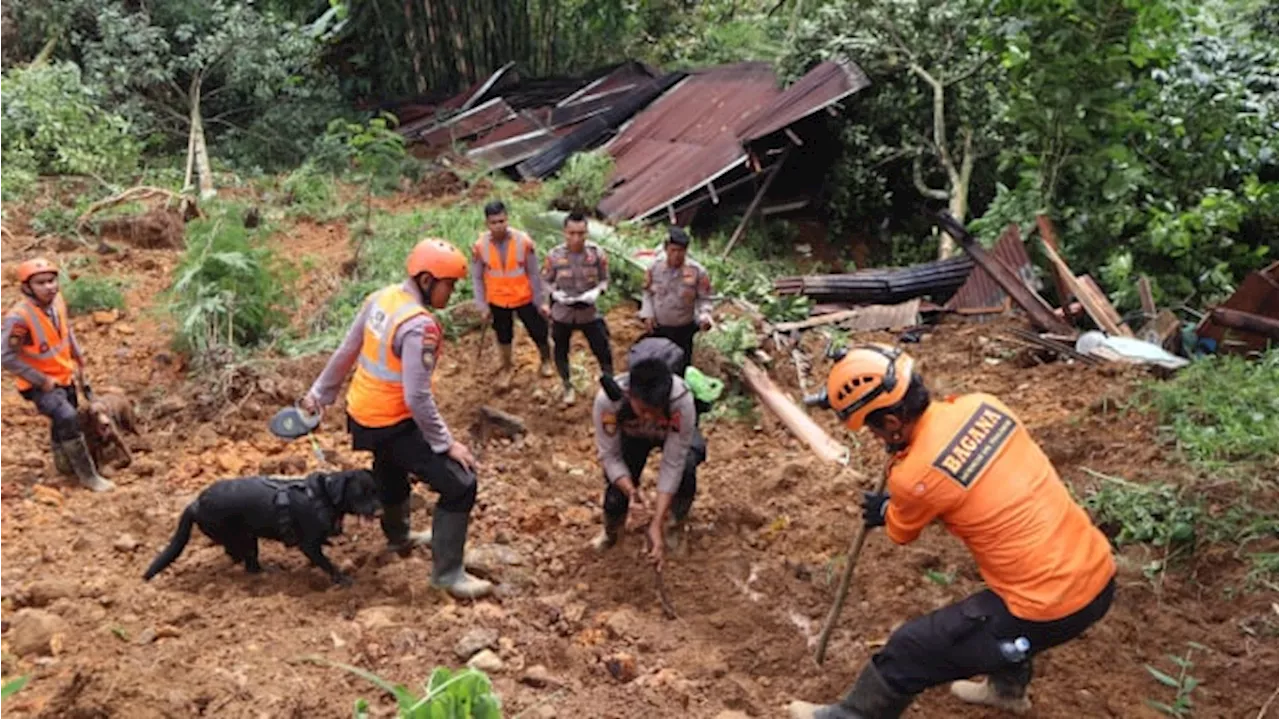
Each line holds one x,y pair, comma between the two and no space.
635,412
677,296
394,345
504,268
41,351
577,272
970,462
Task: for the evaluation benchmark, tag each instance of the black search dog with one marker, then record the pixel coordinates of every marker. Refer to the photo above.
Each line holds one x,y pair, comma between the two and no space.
301,513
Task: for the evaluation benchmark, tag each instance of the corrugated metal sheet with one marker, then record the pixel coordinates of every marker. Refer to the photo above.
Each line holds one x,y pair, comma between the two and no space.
981,290
467,124
686,138
824,85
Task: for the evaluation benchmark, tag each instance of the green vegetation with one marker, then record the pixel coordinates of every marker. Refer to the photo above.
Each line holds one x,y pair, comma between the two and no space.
582,182
1182,685
1222,410
13,686
87,293
464,694
230,291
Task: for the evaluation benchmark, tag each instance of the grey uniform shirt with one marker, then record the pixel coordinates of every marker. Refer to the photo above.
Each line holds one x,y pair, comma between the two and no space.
530,269
676,296
16,333
417,343
676,434
574,273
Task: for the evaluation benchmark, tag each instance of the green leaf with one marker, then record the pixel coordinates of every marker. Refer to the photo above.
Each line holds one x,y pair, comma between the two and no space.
1161,677
13,686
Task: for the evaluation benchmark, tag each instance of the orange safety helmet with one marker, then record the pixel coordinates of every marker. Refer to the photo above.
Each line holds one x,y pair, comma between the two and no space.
437,257
33,267
868,378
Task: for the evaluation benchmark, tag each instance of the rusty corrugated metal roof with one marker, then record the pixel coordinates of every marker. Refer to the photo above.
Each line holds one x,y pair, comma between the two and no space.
687,137
980,290
824,85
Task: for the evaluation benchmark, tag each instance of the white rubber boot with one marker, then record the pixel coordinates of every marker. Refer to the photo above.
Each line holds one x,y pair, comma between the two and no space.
985,694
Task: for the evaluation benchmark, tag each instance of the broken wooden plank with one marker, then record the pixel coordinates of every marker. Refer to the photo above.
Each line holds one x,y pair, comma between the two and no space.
1087,283
1161,330
1247,322
1049,237
863,319
1053,345
1028,299
1145,297
795,419
1096,307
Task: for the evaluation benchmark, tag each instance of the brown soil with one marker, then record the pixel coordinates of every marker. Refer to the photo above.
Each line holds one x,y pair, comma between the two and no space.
751,587
154,229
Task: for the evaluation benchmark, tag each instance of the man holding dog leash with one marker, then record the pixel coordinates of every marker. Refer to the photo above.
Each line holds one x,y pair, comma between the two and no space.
41,351
394,345
971,463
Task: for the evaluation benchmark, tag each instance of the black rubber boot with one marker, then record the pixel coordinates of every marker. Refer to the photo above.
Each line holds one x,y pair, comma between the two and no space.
78,454
60,460
448,545
395,526
870,698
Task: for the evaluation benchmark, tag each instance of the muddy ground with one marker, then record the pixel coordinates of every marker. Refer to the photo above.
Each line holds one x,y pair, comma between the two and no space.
751,585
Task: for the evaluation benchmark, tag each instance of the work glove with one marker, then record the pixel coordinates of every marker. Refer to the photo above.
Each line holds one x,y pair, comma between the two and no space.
874,507
560,296
589,297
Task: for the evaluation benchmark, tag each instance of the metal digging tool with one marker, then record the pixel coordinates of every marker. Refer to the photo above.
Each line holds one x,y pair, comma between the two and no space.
668,609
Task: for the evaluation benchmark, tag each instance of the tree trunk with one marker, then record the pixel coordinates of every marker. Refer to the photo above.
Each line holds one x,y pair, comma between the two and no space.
198,147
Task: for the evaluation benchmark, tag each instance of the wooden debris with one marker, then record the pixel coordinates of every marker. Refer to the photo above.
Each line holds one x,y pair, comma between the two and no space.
503,423
792,416
1162,330
1104,305
133,194
1049,237
862,319
1095,303
1247,322
1028,299
1145,297
1063,349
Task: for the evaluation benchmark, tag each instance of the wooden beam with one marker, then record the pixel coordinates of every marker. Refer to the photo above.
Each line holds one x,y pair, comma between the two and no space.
1050,238
793,137
1093,305
1087,283
792,416
1008,279
1144,296
755,203
1247,322
711,189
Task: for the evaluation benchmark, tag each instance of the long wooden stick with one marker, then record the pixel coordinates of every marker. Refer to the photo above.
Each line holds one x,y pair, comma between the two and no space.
846,579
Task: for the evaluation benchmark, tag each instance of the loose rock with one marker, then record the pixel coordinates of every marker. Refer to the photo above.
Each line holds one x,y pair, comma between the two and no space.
537,676
125,543
475,640
622,666
35,631
486,661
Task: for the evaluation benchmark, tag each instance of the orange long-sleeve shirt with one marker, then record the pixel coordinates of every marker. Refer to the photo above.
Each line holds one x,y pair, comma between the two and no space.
973,465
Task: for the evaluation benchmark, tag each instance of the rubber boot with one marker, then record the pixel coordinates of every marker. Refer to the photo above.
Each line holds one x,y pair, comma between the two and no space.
60,460
395,526
674,531
78,454
505,369
870,698
609,535
569,397
545,367
448,545
1010,699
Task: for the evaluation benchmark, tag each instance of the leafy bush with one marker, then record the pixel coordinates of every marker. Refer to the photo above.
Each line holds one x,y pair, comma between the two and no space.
464,694
54,123
230,290
581,183
310,192
1222,409
1161,515
88,293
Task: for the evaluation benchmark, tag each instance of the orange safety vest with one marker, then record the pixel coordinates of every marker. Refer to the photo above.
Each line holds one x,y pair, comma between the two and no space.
48,347
506,283
376,395
973,465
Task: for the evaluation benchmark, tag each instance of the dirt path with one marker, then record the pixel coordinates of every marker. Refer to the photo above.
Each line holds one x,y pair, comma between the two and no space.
751,588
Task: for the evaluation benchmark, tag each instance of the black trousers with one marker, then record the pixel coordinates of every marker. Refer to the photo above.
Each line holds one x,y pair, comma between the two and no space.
59,405
401,450
504,326
682,335
597,334
963,640
635,452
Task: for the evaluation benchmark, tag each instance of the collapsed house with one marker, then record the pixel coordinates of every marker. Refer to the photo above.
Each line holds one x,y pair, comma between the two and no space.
679,140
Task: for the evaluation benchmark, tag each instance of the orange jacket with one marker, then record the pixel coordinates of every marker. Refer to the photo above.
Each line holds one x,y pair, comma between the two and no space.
376,395
48,348
506,280
972,464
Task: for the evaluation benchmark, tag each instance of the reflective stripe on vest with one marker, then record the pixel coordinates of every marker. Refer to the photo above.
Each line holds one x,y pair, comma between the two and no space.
376,395
506,280
54,360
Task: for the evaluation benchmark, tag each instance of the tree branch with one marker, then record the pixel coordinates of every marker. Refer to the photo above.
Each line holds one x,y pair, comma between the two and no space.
939,121
965,75
917,176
